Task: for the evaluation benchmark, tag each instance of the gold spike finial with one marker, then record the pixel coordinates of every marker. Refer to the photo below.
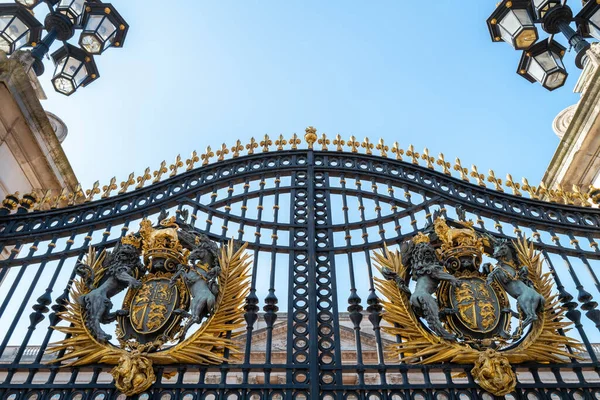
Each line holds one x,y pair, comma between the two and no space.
128,182
497,182
235,150
480,177
192,160
222,152
444,164
381,146
294,142
367,145
338,142
353,144
143,178
90,193
176,165
310,136
428,159
207,155
112,185
251,146
397,151
464,173
515,186
532,190
323,141
265,143
280,143
410,152
162,169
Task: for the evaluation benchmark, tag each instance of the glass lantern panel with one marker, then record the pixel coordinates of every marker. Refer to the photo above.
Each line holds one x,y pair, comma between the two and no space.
81,75
93,22
523,17
558,60
91,43
4,45
5,21
594,24
546,61
555,79
509,24
59,66
535,70
71,66
22,41
17,28
64,85
106,29
526,38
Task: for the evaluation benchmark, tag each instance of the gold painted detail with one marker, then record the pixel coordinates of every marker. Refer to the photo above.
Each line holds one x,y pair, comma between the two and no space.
154,297
474,325
51,199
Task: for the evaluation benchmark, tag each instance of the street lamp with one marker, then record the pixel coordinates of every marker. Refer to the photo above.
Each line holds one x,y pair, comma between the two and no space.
18,28
74,68
102,27
515,22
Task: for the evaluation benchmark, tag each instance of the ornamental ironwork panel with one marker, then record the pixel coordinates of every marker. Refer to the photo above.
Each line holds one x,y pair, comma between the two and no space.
327,270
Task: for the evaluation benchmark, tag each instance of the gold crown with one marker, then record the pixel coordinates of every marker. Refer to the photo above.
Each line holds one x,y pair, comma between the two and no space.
420,238
458,241
162,242
132,240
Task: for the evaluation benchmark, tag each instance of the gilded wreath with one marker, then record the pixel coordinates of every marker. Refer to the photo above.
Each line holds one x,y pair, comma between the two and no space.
458,310
176,278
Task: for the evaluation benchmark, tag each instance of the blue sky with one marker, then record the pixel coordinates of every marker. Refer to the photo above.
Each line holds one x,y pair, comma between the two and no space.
198,73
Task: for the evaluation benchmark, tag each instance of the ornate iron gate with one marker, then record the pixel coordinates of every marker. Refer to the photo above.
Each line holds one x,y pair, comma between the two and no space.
312,220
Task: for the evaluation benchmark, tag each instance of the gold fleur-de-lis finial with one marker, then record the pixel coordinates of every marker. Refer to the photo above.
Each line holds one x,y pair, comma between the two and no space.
73,197
162,169
543,190
280,143
383,149
265,143
222,152
428,159
64,195
323,141
564,195
338,142
235,150
367,145
532,190
515,186
480,177
207,155
191,161
128,182
464,173
141,180
310,136
251,146
112,185
90,193
294,142
497,182
581,197
410,152
397,151
444,164
176,165
353,144
47,195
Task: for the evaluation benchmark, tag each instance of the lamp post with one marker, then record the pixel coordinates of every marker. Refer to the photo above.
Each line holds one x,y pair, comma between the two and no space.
102,27
515,22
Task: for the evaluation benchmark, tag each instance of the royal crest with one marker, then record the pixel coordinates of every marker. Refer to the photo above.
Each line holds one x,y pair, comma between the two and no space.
184,298
449,306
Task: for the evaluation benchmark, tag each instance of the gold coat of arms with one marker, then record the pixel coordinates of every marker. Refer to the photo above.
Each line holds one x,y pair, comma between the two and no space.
184,294
447,305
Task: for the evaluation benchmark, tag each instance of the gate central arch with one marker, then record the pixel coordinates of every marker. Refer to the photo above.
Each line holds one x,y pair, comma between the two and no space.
313,218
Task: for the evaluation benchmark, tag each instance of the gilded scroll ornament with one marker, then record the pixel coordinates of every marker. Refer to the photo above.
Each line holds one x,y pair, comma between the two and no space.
176,279
458,310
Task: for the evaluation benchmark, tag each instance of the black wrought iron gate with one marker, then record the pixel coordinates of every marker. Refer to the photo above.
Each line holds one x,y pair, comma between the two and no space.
312,219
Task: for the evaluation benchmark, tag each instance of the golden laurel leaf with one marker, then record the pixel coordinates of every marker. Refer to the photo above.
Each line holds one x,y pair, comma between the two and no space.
212,343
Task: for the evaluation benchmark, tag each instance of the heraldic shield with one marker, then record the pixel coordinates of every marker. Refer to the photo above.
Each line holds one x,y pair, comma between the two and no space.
448,306
184,303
